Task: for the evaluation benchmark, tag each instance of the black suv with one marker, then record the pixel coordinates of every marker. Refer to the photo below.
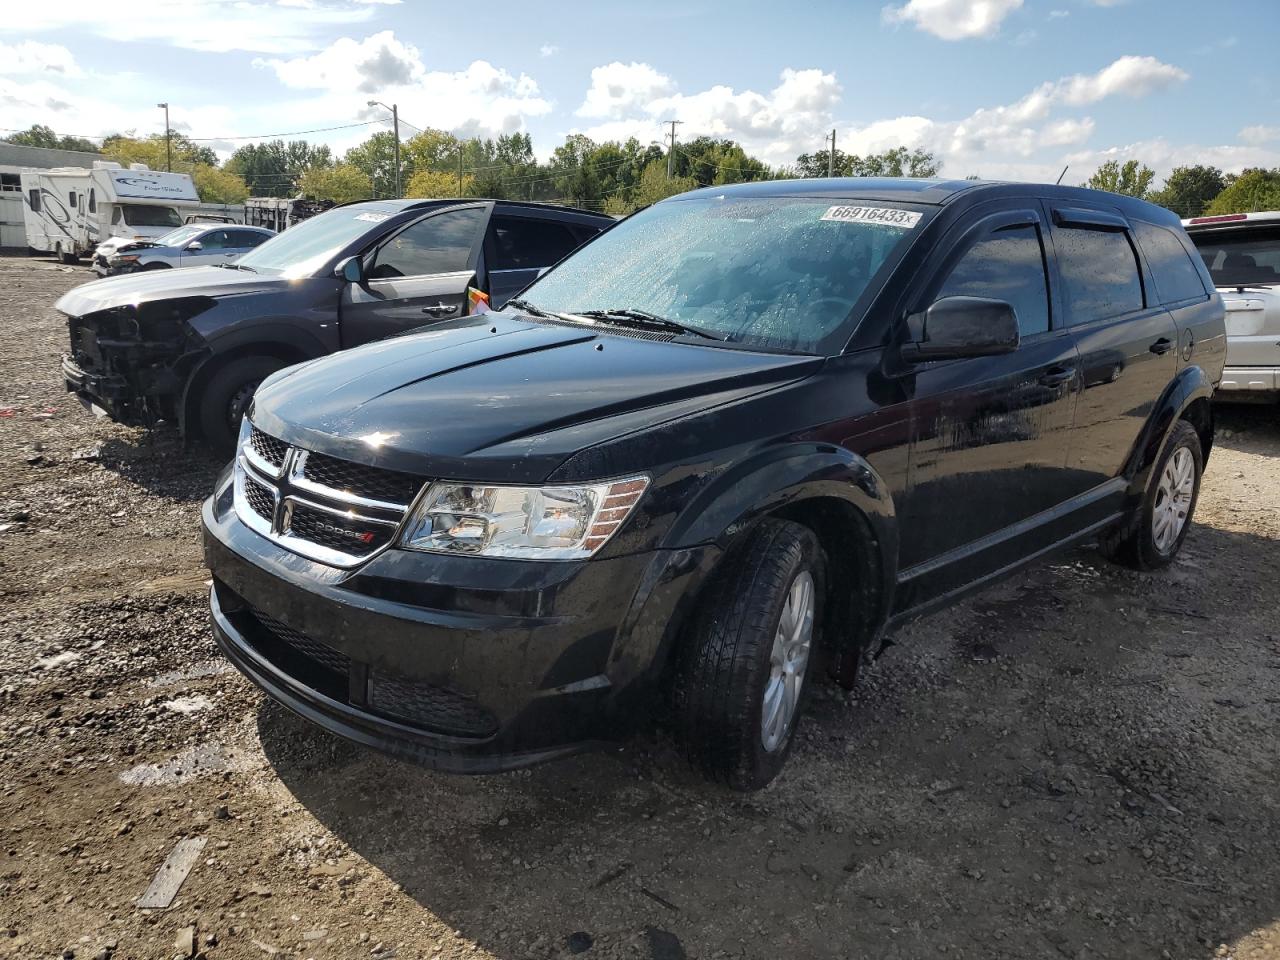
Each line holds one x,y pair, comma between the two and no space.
191,346
722,448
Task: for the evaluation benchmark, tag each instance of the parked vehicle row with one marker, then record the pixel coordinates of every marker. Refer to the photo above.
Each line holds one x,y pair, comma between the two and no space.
195,244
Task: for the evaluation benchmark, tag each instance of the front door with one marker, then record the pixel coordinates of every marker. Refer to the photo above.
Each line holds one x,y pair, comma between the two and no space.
209,248
990,435
519,248
1126,340
418,276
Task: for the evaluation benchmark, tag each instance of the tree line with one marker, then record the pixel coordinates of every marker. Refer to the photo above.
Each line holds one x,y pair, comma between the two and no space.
612,177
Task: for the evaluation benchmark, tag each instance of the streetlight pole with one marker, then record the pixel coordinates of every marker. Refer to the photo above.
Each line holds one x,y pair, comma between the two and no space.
168,140
395,123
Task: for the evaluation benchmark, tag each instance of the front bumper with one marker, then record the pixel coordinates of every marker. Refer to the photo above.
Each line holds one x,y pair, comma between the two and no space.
463,664
111,393
1250,380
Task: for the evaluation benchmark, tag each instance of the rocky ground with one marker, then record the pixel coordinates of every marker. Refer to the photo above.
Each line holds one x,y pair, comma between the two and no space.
1081,762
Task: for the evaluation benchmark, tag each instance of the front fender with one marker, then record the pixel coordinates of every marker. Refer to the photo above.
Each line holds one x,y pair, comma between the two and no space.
1190,384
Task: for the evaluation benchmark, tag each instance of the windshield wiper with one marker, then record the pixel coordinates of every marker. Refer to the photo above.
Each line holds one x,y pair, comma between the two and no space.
644,320
528,307
1263,284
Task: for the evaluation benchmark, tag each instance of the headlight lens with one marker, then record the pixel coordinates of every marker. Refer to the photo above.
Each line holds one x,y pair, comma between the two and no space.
126,258
535,523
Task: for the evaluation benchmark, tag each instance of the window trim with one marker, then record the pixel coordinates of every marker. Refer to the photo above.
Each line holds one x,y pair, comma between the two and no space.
370,256
1100,221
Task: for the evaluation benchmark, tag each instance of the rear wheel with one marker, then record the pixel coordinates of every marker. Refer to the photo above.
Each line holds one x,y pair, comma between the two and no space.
1154,536
226,397
744,672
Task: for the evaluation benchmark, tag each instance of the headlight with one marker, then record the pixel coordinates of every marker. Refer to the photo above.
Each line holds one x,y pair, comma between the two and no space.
128,258
534,523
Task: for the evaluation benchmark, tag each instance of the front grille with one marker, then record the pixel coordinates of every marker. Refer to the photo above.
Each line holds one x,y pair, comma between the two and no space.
425,705
351,535
371,483
260,498
268,447
326,656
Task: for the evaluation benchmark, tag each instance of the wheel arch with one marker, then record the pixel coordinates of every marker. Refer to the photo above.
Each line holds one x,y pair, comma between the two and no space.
1187,397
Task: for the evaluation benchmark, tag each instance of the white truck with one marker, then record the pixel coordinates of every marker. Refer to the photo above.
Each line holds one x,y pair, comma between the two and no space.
1242,252
68,211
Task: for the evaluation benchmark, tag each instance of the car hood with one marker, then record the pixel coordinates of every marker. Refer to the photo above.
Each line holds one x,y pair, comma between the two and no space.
137,288
498,398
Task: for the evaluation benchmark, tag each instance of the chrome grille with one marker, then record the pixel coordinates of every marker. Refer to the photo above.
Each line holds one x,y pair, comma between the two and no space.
331,510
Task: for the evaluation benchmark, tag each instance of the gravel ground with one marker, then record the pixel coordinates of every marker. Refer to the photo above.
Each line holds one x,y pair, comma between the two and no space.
1080,762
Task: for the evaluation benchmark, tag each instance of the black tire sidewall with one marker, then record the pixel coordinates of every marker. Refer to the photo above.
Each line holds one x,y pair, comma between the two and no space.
216,429
1182,435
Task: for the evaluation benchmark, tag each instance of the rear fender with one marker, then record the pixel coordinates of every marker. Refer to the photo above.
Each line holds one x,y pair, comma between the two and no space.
1190,384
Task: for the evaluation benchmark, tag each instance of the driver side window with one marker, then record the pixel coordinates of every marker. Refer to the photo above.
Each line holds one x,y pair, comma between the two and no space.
439,244
1007,264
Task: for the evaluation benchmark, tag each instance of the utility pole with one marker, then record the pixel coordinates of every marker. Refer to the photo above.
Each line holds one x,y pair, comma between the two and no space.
672,148
831,157
459,168
395,124
168,139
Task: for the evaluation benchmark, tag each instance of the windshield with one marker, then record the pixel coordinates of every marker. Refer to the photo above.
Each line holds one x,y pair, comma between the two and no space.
175,238
147,215
301,250
781,273
1239,257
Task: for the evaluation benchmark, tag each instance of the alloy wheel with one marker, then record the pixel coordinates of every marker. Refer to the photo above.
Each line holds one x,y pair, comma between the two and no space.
788,661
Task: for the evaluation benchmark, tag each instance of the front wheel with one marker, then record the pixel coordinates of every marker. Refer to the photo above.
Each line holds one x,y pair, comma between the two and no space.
744,672
226,397
1154,536
65,257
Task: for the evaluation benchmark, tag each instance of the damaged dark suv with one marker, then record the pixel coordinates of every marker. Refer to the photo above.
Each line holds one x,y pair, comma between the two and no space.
190,346
714,454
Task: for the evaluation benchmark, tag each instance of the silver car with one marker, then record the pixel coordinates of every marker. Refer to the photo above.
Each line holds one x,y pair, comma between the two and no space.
1242,252
193,245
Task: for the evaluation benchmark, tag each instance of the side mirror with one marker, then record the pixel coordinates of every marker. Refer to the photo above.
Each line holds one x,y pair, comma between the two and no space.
956,327
195,246
351,270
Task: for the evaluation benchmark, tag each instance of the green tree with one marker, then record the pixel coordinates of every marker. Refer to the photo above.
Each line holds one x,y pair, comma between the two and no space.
275,168
40,135
1253,190
1133,179
341,183
897,162
1188,190
426,184
216,185
713,162
376,159
153,151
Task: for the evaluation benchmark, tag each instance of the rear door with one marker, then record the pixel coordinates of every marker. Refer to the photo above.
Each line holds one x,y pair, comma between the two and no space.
990,435
517,248
1128,342
241,242
418,275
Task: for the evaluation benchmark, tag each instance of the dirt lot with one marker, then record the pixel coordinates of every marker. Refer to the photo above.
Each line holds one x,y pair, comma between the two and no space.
1081,762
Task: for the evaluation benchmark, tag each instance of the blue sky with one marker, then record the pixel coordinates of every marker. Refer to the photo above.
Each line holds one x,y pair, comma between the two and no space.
1000,88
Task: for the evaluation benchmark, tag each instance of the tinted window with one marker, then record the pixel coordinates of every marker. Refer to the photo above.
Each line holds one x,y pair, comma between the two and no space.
1172,268
1006,265
93,201
215,240
1242,256
71,199
1099,273
769,271
521,244
247,238
301,250
144,215
33,199
439,244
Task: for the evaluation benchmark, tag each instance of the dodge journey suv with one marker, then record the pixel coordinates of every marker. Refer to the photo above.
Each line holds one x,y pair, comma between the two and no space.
713,455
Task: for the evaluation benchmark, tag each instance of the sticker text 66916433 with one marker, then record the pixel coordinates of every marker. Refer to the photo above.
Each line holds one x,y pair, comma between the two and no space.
883,215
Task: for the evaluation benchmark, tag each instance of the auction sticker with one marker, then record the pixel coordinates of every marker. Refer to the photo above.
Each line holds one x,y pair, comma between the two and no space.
884,215
379,217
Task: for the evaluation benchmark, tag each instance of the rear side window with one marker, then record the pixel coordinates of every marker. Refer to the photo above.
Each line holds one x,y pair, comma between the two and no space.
1171,266
521,244
1099,270
1241,256
246,238
439,244
1006,265
33,199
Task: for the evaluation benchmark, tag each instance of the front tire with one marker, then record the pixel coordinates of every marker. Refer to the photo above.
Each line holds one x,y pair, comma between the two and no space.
744,672
1153,538
226,397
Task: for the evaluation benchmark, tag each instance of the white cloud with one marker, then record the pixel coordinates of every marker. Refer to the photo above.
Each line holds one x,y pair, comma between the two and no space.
1131,76
617,88
953,19
1059,14
31,56
1260,134
548,50
366,65
212,25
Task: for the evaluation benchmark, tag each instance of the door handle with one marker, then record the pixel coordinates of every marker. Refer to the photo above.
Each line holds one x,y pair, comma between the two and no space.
1056,375
1161,346
440,309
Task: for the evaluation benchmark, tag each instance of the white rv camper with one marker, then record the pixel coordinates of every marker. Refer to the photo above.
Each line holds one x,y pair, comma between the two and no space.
69,210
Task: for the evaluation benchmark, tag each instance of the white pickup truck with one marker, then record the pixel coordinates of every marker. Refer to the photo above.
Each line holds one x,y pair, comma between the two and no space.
1242,252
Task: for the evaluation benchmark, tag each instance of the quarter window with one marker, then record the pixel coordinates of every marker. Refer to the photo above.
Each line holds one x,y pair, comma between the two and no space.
1172,268
33,199
439,244
521,244
1006,265
1100,276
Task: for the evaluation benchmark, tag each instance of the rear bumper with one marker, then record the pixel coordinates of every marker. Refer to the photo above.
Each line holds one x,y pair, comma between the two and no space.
1250,380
